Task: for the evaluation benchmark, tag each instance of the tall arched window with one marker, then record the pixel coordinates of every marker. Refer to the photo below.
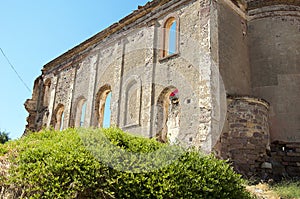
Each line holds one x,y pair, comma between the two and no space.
168,115
82,117
58,122
80,112
170,37
61,121
102,104
107,112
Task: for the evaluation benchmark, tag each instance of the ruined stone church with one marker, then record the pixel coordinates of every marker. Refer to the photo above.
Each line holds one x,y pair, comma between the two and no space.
221,75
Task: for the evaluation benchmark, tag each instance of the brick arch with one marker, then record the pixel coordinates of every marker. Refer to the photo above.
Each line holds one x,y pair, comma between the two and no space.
100,104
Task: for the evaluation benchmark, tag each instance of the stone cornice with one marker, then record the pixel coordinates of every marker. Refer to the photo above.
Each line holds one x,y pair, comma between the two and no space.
250,99
255,9
254,4
248,5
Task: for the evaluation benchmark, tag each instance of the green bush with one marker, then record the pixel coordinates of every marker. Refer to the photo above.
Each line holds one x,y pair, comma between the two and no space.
108,163
54,164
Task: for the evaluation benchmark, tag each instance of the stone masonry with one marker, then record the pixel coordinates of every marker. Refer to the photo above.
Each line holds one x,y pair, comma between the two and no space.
221,75
245,136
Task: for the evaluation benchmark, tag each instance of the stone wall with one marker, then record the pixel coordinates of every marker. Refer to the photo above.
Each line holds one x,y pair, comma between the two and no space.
245,137
129,62
234,63
274,47
285,159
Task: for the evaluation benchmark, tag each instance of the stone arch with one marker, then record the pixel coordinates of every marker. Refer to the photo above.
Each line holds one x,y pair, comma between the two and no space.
170,36
100,104
58,117
132,105
168,115
80,112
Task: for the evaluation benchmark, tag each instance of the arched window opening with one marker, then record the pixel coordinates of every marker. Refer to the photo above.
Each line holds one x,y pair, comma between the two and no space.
168,115
83,109
170,37
59,118
107,112
102,106
46,99
62,117
80,112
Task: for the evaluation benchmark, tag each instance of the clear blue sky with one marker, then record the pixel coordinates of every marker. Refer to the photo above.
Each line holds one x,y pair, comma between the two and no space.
34,32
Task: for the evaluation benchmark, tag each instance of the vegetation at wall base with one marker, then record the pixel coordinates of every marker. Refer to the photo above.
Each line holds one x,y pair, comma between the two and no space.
287,189
53,164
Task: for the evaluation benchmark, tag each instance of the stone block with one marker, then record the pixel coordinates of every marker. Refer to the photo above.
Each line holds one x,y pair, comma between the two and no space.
293,171
291,159
293,154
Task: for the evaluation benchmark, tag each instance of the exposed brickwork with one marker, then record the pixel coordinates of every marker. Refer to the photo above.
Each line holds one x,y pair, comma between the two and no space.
246,135
285,159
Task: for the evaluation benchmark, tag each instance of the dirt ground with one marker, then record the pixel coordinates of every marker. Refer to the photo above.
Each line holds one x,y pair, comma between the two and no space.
262,191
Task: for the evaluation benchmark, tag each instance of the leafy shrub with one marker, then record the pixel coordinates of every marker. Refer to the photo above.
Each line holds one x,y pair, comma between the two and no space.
53,164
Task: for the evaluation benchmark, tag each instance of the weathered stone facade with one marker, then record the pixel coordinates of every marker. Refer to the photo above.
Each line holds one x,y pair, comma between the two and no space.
170,66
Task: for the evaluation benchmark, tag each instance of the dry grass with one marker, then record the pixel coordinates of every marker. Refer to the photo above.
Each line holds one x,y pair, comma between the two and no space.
288,189
282,190
262,191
